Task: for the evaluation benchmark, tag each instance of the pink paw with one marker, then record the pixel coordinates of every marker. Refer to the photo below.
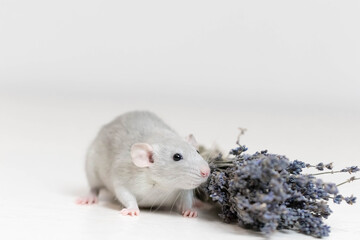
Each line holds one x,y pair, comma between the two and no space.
190,213
87,200
130,212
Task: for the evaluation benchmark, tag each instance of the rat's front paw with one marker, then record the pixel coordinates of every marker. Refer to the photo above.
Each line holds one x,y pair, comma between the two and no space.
191,213
130,211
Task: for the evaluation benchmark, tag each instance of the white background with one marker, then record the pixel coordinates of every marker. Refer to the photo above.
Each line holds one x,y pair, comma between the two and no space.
288,71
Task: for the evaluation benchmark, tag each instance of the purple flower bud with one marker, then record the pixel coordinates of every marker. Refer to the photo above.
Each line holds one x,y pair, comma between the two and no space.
350,200
329,166
320,166
338,198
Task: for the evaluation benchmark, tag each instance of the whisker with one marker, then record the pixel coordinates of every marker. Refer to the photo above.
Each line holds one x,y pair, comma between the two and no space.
192,199
193,170
175,201
163,201
155,198
193,174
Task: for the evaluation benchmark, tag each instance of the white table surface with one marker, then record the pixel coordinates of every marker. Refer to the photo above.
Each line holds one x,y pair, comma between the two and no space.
43,142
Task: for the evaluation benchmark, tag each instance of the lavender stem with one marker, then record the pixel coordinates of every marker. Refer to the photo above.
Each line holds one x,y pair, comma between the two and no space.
348,181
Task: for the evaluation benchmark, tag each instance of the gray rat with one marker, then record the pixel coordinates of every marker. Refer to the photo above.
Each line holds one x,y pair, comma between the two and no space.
144,163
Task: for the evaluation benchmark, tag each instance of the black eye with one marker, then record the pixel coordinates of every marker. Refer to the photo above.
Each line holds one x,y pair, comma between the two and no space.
177,157
198,151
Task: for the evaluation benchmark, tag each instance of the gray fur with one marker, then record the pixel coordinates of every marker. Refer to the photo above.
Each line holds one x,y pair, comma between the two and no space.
165,182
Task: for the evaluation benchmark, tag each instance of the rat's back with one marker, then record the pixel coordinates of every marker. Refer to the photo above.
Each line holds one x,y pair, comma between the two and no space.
137,124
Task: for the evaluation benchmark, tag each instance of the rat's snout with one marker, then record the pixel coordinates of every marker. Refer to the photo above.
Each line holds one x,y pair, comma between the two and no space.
205,171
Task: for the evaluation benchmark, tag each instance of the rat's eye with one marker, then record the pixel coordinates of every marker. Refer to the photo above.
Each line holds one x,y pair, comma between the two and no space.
177,157
198,151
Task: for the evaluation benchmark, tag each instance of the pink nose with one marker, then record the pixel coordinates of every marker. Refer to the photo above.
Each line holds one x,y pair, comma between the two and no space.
205,172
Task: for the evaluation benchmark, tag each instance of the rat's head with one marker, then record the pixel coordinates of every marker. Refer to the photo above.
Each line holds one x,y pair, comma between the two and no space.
172,162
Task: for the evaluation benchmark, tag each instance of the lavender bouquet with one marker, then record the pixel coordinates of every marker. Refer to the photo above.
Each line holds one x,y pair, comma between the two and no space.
268,192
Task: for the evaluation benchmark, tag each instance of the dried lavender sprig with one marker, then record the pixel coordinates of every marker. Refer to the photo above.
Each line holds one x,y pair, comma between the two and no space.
350,170
242,132
329,172
321,166
349,200
348,181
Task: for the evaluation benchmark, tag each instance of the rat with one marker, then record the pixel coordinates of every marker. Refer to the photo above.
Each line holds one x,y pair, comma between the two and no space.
144,163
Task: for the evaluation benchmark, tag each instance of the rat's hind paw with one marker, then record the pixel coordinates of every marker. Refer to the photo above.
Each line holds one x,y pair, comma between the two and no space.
87,200
190,213
130,212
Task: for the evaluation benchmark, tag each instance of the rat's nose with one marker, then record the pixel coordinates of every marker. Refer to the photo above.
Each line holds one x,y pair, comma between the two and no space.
205,172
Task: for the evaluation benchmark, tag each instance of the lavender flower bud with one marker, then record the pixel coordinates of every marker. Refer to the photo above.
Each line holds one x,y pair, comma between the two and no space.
320,166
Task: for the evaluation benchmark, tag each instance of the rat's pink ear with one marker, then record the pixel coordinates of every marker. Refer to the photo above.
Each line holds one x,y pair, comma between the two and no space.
191,139
141,154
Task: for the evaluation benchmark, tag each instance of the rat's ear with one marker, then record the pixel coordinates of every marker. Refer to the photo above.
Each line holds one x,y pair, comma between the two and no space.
141,154
191,139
